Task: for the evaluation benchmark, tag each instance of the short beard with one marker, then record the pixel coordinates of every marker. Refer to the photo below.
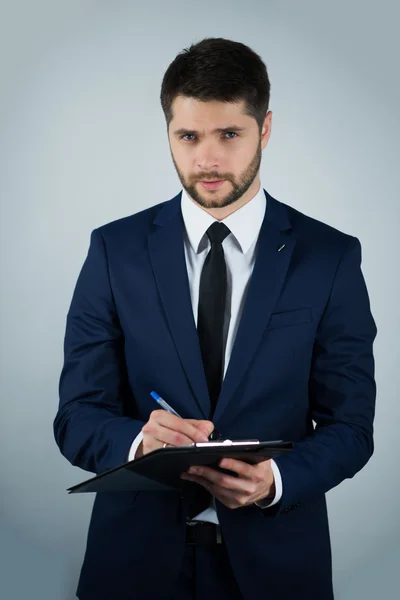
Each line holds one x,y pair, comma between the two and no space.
245,180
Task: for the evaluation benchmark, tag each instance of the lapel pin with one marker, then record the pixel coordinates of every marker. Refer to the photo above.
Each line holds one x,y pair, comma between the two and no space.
282,247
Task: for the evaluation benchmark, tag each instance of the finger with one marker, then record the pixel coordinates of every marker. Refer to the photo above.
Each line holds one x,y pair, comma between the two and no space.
225,496
195,429
224,481
172,437
255,473
205,427
191,426
243,469
160,420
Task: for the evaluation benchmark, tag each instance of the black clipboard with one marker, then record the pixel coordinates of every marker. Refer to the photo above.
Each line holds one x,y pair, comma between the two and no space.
160,470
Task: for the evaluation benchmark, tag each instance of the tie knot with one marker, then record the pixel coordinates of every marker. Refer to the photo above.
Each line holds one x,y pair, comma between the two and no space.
217,232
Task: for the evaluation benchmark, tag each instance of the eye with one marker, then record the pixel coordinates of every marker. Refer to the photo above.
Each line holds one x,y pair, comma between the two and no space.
182,137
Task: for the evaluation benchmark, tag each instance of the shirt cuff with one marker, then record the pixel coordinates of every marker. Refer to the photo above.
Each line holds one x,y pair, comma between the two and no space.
135,446
266,503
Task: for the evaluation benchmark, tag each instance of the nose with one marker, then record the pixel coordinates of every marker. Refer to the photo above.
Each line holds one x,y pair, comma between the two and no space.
207,160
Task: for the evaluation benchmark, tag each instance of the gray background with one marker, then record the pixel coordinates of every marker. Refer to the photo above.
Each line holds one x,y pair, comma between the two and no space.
83,142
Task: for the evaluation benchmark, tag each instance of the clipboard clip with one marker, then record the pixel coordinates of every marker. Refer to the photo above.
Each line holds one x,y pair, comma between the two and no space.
225,443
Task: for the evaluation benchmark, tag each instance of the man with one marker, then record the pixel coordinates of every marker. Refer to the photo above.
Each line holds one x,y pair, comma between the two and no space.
248,317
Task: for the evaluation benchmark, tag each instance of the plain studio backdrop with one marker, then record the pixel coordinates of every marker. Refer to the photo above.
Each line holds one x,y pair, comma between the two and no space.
83,142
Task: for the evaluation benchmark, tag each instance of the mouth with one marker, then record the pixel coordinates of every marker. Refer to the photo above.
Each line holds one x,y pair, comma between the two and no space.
212,185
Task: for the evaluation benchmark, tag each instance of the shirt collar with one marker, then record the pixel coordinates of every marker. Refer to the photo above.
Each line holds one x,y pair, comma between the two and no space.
245,223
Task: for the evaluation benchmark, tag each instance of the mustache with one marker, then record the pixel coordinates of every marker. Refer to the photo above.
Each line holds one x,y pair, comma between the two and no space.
211,178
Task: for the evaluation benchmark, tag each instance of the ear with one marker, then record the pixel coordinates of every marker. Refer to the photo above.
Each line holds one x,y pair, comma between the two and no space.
266,129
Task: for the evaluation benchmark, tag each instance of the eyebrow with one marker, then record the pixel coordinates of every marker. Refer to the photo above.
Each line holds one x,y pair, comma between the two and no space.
184,131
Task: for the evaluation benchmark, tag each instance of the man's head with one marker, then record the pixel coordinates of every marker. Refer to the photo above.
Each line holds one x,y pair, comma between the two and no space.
215,98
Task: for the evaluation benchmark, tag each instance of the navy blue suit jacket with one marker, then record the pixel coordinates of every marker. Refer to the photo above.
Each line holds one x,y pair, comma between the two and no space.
303,353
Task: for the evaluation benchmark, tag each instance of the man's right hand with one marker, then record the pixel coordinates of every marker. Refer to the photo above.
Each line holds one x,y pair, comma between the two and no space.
166,428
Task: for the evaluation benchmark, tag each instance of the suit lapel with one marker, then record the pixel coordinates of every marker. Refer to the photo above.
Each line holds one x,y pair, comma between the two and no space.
166,247
265,286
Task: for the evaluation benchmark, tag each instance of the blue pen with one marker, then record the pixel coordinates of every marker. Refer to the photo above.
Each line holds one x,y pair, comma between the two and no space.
164,404
214,435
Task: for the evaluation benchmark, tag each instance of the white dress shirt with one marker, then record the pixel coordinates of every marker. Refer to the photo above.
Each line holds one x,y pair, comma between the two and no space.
240,254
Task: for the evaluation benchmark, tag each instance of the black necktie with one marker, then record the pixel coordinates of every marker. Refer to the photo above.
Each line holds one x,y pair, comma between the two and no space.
210,324
211,310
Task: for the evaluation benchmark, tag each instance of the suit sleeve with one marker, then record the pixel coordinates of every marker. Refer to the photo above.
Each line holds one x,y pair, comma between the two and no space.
342,392
91,427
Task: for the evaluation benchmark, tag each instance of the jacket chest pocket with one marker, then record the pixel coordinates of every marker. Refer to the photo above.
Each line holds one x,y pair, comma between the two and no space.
288,318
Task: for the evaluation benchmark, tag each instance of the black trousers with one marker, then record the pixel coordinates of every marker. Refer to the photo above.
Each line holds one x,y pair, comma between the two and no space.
206,574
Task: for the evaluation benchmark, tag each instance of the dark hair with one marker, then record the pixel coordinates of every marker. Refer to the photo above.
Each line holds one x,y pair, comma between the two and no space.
218,69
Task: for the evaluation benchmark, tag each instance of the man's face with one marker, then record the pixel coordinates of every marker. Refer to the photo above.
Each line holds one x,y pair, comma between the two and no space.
200,153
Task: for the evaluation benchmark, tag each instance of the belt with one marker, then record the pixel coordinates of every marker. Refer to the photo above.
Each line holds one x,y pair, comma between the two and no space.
203,532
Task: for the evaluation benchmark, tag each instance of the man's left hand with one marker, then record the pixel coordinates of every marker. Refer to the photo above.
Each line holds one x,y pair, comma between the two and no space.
254,482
